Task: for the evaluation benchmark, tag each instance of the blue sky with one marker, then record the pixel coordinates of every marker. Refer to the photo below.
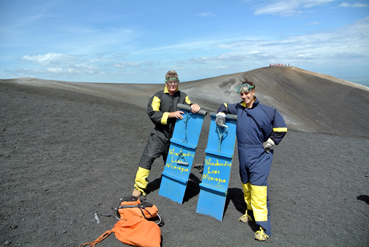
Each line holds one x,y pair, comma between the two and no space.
139,41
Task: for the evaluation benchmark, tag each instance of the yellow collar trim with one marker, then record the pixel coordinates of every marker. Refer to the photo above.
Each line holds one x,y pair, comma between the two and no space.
244,104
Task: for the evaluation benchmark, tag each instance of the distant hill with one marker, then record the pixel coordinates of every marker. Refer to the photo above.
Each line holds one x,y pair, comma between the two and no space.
309,102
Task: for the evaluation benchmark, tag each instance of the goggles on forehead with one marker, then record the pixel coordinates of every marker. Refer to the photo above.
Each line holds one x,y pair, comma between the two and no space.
172,80
244,87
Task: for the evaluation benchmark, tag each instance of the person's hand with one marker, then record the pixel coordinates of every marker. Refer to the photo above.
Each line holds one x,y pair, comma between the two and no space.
176,114
220,119
268,145
195,108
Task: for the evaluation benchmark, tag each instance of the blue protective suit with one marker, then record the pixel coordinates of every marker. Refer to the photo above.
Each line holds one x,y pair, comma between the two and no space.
254,126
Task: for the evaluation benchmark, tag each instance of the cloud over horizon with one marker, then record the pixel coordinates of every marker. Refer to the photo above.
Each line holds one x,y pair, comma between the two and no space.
102,43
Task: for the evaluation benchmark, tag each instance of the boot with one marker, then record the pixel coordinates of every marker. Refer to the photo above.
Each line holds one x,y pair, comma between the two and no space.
261,235
246,217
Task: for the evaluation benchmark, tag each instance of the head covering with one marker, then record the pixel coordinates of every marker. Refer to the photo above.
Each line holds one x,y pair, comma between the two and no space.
172,75
244,87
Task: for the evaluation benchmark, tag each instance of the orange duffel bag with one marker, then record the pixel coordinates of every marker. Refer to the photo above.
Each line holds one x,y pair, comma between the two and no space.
134,231
135,226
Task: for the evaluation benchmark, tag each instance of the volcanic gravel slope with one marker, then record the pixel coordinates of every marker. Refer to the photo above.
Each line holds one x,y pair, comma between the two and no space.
69,150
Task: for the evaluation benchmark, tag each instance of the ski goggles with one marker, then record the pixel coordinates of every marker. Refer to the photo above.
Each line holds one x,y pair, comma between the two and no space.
172,80
244,87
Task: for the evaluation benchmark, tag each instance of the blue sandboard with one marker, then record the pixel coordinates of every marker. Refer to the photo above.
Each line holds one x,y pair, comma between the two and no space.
181,153
217,167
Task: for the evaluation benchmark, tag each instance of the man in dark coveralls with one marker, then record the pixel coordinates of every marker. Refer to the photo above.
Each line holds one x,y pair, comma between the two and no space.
163,112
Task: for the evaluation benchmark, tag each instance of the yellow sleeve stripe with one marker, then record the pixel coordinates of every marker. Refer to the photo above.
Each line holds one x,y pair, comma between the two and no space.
164,118
155,104
279,129
188,101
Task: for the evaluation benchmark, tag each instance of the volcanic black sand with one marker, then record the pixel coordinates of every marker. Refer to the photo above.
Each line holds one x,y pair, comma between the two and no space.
70,150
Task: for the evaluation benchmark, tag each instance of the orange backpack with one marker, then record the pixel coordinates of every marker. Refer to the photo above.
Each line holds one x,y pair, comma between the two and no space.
132,206
135,231
133,227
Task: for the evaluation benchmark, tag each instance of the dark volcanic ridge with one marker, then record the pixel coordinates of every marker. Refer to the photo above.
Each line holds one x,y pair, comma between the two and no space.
309,101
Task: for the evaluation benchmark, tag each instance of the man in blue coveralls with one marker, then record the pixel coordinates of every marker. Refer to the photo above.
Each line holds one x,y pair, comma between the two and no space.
259,128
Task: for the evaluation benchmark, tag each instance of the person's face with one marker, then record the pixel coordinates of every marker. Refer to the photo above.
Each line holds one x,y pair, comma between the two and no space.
248,97
172,86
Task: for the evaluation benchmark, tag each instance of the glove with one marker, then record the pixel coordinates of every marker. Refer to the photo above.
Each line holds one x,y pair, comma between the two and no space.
268,145
220,119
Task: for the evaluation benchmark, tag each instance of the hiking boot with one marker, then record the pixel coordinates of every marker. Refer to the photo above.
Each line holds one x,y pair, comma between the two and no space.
136,193
261,235
245,218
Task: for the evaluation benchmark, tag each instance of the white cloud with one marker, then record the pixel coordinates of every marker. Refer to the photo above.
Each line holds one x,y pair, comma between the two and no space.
78,70
355,5
306,56
229,58
234,44
281,8
348,44
266,57
87,66
222,67
126,64
22,72
55,70
360,5
313,23
48,58
348,55
288,8
206,14
344,5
